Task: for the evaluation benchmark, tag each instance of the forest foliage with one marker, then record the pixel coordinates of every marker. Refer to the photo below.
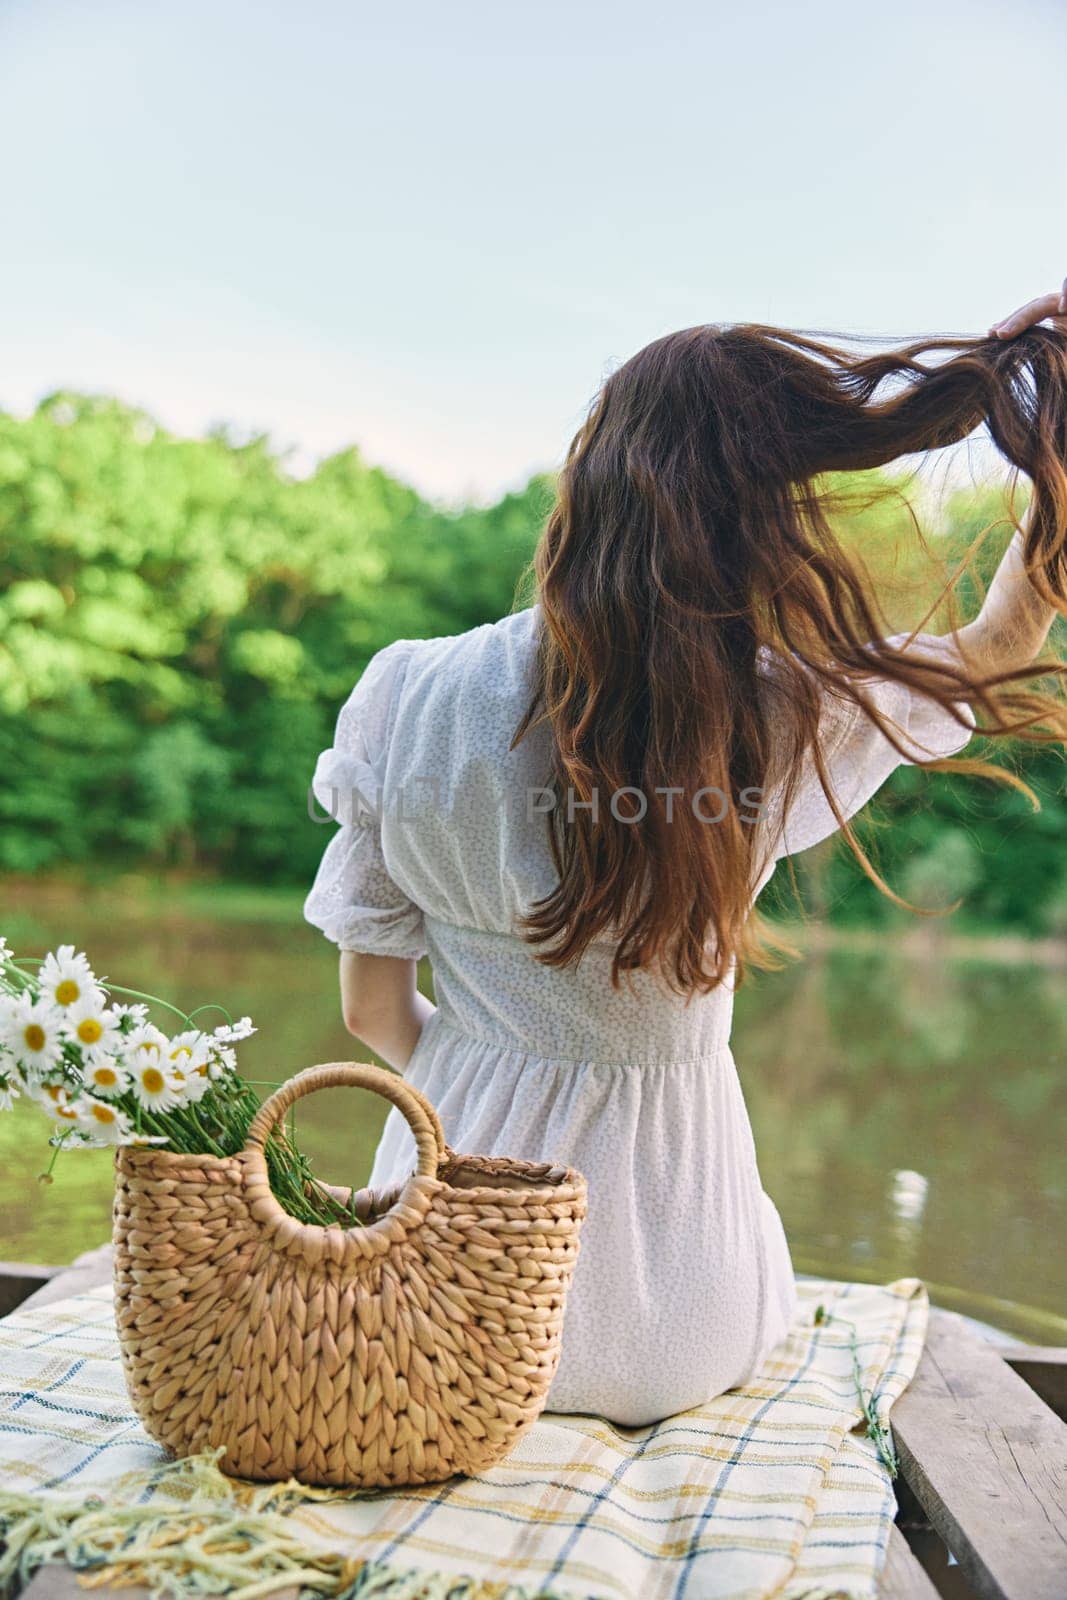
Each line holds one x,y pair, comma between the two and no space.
181,619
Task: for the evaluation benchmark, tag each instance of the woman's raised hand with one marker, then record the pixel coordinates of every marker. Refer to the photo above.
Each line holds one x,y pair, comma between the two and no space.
1052,305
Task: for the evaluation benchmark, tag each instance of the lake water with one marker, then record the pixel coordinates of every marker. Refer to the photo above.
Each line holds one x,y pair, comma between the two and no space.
909,1105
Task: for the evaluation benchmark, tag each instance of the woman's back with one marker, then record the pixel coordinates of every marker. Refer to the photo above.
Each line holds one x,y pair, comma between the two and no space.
685,1281
464,835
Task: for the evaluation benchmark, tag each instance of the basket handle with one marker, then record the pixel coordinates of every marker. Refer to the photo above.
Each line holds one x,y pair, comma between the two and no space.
421,1117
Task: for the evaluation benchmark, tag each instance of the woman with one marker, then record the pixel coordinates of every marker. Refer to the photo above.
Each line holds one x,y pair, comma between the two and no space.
572,810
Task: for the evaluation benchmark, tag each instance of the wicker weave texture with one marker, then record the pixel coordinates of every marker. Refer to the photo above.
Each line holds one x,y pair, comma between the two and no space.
419,1345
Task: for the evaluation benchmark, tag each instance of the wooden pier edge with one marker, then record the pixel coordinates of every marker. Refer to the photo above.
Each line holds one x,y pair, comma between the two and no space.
985,1457
980,1433
19,1282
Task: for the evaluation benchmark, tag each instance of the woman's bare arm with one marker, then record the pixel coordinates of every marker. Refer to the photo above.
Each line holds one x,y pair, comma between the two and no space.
381,1004
1011,629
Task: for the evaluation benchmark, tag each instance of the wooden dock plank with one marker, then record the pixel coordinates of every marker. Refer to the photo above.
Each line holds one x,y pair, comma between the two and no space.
38,1286
1045,1369
18,1281
903,1576
987,1460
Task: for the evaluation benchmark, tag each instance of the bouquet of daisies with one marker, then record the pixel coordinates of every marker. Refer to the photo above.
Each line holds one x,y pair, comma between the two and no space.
104,1074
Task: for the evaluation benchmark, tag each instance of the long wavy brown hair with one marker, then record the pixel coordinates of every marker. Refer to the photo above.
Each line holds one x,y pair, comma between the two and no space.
693,525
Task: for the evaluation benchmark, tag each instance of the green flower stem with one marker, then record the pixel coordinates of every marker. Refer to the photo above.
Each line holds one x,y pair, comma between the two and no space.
218,1125
14,968
57,1145
875,1429
138,994
211,1005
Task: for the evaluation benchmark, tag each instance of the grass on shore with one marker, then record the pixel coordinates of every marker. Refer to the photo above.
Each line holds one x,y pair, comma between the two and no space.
26,903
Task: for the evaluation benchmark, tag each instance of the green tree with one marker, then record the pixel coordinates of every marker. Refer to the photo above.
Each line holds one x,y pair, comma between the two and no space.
180,620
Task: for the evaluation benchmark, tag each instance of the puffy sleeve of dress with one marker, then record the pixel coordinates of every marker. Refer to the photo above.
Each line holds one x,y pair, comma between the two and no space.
353,898
857,755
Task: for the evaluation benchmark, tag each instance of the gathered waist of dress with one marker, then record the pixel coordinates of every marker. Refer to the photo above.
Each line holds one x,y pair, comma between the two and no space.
490,986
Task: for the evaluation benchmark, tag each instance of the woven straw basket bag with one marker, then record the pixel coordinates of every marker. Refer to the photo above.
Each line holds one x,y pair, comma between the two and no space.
416,1346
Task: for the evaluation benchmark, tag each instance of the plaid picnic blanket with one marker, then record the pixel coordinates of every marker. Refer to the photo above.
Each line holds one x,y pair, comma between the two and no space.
779,1488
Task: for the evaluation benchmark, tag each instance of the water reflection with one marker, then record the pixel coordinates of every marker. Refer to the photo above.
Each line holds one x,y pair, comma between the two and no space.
909,1109
907,1200
910,1118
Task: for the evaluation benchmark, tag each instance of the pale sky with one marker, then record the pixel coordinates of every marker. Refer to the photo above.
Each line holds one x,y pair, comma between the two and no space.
431,229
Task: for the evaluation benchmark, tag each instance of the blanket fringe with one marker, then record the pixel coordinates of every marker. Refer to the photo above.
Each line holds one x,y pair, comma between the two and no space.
185,1530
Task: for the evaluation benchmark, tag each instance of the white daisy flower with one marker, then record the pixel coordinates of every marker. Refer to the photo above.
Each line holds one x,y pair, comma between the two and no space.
65,978
129,1017
141,1141
70,1136
187,1062
188,1051
107,1076
91,1025
5,950
153,1086
32,1031
144,1054
192,1086
105,1124
59,1104
146,1043
234,1032
223,1059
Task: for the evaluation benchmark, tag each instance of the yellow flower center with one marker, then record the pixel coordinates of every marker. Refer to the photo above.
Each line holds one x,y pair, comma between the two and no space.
89,1030
106,1077
182,1050
153,1080
34,1036
67,992
104,1114
67,1112
54,1090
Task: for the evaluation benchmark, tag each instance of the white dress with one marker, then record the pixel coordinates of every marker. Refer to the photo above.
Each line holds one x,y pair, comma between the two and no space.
684,1280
